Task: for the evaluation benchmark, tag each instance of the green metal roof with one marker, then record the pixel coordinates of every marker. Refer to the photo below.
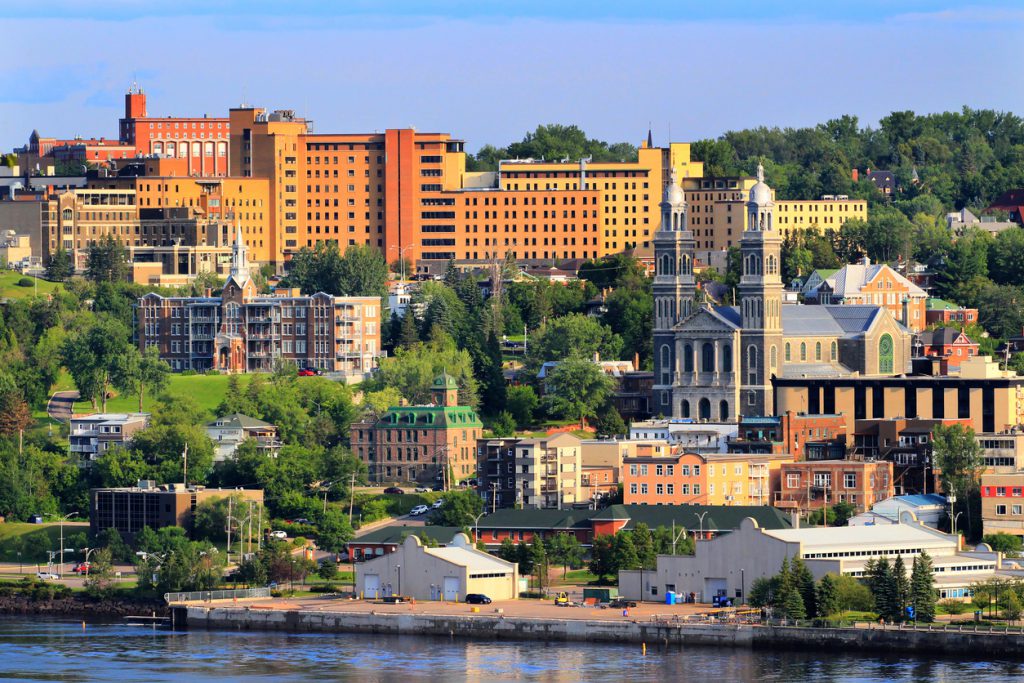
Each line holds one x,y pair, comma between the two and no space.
429,417
933,304
535,519
717,517
445,381
397,534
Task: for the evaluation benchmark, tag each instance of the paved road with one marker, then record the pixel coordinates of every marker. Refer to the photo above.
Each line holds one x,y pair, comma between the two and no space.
61,405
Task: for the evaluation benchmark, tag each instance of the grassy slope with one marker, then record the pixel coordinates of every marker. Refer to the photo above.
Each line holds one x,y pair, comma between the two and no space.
207,391
35,540
10,290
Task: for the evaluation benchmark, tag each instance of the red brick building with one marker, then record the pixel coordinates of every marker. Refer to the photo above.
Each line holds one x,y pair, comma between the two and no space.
947,345
808,486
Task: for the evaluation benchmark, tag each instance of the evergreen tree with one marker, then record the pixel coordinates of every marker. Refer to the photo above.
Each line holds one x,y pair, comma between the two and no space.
827,599
883,588
922,588
492,380
539,560
803,581
525,559
792,604
409,334
61,267
901,588
601,564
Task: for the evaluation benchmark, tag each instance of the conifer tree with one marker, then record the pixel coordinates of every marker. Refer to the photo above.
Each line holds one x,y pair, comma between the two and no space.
803,581
922,588
901,588
827,599
793,604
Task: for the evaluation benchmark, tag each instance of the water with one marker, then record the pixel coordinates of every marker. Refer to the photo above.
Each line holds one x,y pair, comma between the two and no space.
40,650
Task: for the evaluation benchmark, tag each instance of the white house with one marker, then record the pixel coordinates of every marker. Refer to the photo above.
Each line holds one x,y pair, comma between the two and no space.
229,431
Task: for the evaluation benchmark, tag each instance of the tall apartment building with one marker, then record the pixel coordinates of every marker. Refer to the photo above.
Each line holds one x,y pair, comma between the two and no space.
421,443
545,473
242,331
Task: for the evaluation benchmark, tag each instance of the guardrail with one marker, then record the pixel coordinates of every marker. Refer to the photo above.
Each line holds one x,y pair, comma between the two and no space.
204,596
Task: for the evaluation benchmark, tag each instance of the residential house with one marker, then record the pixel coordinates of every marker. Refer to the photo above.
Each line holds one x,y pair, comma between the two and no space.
876,284
91,436
231,430
946,346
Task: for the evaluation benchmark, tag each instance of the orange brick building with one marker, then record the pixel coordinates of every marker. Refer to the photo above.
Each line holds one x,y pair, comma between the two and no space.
404,192
811,485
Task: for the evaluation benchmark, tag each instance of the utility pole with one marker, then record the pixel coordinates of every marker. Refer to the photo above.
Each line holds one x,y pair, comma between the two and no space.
249,520
185,457
229,529
351,497
259,531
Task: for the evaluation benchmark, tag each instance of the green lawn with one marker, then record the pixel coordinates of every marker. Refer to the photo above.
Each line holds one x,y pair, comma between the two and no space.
207,391
9,289
577,577
33,540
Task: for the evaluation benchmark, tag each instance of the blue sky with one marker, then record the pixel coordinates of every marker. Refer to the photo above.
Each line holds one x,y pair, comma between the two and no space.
488,71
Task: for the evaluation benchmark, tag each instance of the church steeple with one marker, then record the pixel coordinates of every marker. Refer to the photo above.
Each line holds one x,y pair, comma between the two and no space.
239,259
674,288
760,300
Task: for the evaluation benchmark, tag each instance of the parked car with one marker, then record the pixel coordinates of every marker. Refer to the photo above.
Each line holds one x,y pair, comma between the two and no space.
306,372
419,510
301,520
477,599
422,489
81,568
47,576
394,490
438,503
438,487
282,535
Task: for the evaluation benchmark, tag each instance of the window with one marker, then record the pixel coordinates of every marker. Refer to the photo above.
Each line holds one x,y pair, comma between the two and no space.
659,470
632,470
793,480
696,489
659,489
788,352
803,351
670,470
707,357
1015,509
1000,509
687,358
643,489
823,479
817,351
885,354
643,470
835,351
671,489
632,489
849,480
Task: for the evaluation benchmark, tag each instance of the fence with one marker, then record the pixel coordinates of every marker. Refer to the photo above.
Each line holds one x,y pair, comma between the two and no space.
204,596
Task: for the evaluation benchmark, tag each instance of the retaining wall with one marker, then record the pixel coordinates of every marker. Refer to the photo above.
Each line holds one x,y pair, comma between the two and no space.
497,627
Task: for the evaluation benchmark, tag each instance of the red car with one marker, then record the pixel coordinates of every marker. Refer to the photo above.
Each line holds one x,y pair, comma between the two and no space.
306,372
81,568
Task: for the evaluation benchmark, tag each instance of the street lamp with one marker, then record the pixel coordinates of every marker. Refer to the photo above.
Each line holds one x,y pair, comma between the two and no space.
476,526
399,568
701,518
956,517
743,586
60,568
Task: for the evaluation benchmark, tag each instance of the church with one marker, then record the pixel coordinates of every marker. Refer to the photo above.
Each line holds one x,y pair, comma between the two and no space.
718,362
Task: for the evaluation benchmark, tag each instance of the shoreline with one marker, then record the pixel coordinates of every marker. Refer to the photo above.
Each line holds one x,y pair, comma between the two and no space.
83,607
962,643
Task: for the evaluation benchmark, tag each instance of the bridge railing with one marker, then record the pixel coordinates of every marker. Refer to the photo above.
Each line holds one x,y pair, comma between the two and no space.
206,596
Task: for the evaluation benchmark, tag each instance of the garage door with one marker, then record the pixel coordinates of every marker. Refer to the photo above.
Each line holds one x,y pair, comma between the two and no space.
451,588
371,586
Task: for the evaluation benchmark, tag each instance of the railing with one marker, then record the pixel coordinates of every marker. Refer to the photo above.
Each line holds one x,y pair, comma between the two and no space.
203,596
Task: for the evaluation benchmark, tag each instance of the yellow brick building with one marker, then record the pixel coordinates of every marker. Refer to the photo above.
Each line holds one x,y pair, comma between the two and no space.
629,191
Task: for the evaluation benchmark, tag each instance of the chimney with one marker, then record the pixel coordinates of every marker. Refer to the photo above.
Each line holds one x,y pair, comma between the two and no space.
636,359
866,261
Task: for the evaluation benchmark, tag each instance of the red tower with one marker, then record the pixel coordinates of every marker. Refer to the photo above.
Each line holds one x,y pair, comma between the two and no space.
134,108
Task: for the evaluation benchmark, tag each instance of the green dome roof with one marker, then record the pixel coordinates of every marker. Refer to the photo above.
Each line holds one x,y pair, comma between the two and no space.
445,381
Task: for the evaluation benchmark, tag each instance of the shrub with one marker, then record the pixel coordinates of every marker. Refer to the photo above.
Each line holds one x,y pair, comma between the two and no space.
324,588
188,373
25,282
954,606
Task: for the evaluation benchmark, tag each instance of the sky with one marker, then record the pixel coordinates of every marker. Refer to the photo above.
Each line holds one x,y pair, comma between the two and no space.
488,71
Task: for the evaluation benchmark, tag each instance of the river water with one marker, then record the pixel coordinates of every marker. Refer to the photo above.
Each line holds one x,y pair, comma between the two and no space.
42,650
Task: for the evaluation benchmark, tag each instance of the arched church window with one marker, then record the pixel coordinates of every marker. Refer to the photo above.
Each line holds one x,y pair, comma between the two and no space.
704,409
835,351
752,364
685,408
707,354
788,354
774,357
687,358
727,358
817,351
885,354
666,363
803,351
723,410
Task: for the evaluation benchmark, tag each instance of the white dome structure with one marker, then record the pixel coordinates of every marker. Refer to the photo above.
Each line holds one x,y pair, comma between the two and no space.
760,193
673,193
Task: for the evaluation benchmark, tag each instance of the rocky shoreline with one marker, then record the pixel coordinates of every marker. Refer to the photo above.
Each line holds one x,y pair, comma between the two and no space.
82,606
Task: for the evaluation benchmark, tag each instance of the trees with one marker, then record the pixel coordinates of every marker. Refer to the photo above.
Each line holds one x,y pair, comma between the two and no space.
888,234
521,401
601,562
624,555
134,372
61,266
573,335
360,271
93,357
412,371
333,530
958,455
15,415
882,582
504,424
922,588
107,261
99,583
827,597
460,509
577,388
803,581
1003,542
565,549
643,541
